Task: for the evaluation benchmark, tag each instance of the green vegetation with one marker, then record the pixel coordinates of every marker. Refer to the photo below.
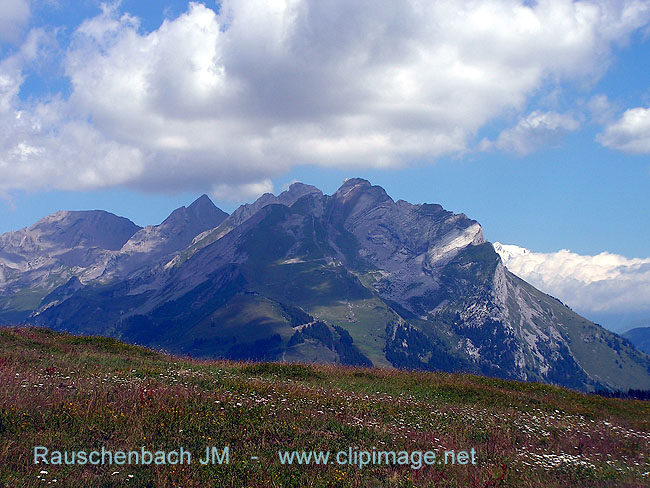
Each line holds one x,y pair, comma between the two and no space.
19,304
81,393
606,356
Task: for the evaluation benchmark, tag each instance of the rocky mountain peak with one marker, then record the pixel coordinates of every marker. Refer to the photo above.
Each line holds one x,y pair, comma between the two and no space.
203,200
349,183
354,189
87,228
201,213
177,231
302,188
355,199
204,208
295,192
68,238
288,197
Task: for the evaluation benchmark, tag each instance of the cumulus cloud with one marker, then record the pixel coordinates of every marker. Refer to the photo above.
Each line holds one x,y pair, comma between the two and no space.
230,100
602,283
45,144
536,130
13,17
630,133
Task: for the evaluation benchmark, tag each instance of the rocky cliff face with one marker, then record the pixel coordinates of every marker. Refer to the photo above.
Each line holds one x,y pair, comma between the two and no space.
353,277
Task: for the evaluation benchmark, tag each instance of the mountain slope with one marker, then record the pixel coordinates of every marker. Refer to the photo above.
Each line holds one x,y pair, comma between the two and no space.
402,285
37,259
640,337
71,249
74,393
175,233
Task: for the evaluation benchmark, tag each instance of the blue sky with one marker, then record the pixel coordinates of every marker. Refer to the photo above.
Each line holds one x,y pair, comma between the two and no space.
531,117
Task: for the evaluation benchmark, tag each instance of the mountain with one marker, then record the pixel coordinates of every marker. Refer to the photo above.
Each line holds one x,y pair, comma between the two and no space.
640,337
174,234
37,259
244,212
354,278
68,249
288,197
73,238
176,231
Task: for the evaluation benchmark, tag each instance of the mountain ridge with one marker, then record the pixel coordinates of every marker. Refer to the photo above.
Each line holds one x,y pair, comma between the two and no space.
89,245
390,283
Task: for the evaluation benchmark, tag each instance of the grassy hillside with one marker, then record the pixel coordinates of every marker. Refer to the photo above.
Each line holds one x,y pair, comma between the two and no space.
79,393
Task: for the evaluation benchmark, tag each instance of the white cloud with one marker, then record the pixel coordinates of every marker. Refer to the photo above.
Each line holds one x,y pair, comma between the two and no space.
602,283
13,17
630,133
244,191
230,99
536,130
44,144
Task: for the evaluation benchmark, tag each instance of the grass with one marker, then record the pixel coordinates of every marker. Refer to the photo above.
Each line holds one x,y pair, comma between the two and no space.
81,393
365,320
